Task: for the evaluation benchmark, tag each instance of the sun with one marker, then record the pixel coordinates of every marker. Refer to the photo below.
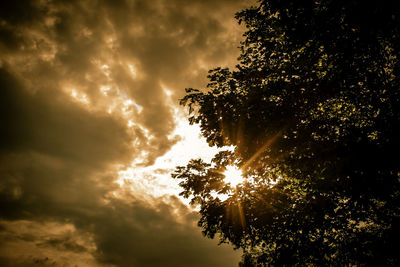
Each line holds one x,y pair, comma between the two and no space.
233,176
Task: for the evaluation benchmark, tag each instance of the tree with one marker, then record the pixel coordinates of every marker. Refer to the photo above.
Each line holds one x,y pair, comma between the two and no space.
312,110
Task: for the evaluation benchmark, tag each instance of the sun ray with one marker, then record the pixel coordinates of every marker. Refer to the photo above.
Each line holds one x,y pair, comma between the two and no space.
262,149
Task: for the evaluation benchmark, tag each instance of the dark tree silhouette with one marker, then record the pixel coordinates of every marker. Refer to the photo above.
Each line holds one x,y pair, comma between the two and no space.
313,112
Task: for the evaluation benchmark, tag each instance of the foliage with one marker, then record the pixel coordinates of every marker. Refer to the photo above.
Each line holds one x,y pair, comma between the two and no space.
313,112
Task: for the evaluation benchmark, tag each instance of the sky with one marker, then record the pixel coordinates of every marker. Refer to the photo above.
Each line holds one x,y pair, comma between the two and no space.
91,128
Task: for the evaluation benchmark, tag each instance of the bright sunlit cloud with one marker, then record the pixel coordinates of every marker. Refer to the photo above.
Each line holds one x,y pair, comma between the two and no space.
233,175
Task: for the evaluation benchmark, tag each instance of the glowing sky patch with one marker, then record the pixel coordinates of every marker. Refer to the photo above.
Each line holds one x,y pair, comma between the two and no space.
155,180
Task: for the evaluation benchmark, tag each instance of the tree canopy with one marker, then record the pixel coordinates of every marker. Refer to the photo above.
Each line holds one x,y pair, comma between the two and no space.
312,110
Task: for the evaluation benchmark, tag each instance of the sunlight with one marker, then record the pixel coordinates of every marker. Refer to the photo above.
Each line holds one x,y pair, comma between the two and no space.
132,70
152,181
78,96
233,176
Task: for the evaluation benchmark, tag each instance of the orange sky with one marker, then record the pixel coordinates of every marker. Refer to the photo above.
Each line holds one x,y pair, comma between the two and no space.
91,129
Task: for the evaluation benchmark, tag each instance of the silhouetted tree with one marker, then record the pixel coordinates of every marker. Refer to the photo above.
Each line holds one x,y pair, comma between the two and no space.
313,112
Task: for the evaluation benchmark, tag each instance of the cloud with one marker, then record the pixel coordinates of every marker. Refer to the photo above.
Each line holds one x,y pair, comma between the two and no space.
118,234
87,87
45,244
47,123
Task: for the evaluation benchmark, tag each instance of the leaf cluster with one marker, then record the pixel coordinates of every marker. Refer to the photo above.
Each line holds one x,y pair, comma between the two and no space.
313,111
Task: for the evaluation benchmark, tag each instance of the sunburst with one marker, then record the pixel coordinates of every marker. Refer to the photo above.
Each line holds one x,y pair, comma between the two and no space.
233,175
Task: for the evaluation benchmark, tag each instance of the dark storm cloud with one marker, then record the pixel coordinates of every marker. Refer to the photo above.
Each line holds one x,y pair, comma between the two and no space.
63,138
162,241
46,123
125,234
